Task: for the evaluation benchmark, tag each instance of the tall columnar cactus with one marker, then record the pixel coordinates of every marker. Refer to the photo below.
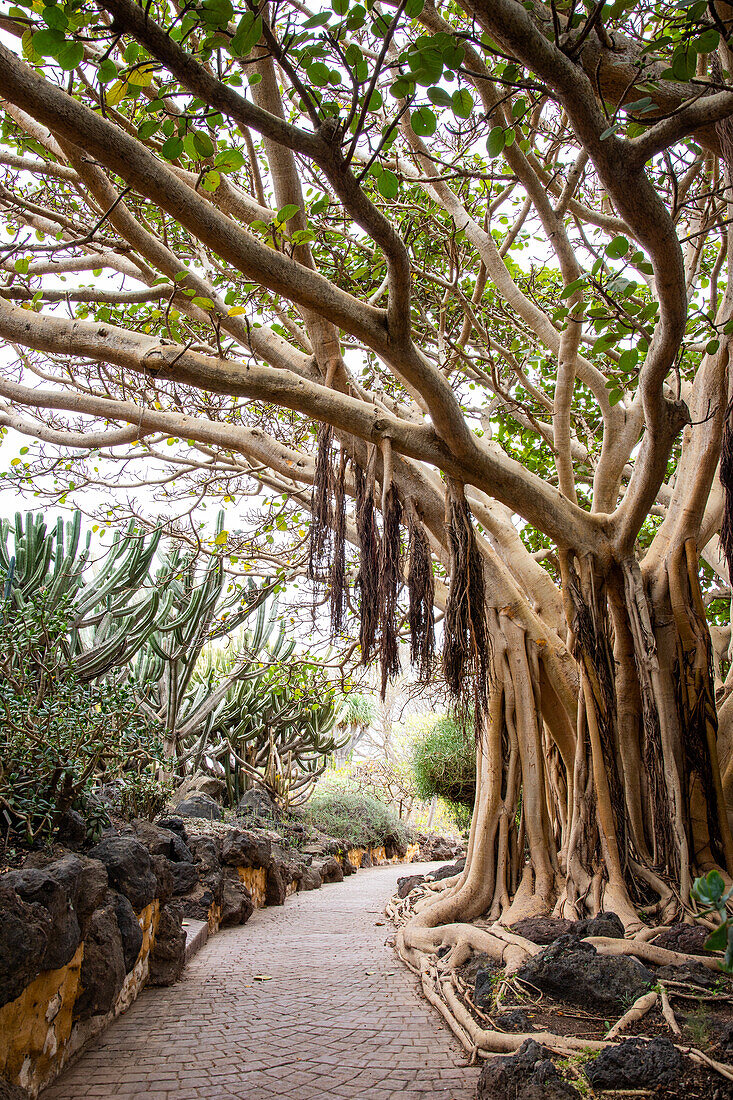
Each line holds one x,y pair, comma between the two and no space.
275,716
113,609
250,713
198,612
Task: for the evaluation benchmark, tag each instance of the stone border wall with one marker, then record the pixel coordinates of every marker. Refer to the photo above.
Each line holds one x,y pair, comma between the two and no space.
83,935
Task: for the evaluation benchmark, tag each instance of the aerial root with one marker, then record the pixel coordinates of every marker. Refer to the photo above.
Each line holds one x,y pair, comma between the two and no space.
637,1012
440,991
418,945
668,1011
649,952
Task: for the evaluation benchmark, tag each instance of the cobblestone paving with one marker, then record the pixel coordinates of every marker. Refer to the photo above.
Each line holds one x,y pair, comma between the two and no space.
340,1017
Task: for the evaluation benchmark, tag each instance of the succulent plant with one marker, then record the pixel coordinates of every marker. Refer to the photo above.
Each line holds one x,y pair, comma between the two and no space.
113,610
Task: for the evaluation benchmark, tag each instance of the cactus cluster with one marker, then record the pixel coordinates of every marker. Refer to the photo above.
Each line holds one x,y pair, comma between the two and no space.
251,712
113,607
247,713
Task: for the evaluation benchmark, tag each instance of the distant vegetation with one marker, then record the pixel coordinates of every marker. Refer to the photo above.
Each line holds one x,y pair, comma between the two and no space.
444,764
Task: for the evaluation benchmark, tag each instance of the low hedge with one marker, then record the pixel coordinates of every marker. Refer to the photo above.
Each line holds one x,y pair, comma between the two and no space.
358,818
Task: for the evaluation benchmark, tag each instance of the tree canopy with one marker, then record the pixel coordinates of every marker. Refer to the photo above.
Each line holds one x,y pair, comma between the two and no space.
485,246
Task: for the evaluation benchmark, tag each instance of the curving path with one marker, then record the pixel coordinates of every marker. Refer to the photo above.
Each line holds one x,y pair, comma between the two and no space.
340,1017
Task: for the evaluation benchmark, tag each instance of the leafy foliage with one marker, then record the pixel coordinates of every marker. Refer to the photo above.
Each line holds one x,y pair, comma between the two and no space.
61,738
711,893
444,763
356,817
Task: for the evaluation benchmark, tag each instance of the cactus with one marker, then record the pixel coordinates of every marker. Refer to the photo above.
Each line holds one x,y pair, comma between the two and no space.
250,714
112,612
258,715
197,614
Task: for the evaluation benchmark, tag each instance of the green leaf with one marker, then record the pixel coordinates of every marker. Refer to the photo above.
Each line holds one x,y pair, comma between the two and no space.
356,17
611,129
172,148
107,71
48,42
318,74
401,88
203,303
712,346
644,104
709,889
413,8
229,160
617,248
388,185
440,97
462,103
21,265
55,17
319,20
569,290
706,42
248,34
70,55
285,213
203,143
217,13
148,128
495,142
684,64
628,360
340,6
423,122
717,940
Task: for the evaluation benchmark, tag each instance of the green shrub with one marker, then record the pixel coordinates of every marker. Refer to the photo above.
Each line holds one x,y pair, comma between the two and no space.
60,738
444,763
359,818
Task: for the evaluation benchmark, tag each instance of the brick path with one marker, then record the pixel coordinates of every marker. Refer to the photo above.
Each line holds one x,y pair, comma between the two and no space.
341,1017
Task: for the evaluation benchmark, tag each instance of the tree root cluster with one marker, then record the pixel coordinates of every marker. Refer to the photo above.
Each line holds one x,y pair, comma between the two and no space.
434,954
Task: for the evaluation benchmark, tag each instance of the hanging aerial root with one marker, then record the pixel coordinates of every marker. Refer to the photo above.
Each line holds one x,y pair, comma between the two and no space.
389,581
421,591
339,594
368,579
322,507
467,641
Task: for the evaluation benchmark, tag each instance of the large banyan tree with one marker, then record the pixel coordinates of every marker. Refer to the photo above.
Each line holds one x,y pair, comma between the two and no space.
485,245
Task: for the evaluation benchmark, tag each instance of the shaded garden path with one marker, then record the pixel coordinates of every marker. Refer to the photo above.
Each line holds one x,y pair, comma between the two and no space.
340,1018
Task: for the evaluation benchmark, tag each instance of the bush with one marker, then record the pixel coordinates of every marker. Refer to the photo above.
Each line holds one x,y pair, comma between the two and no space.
359,818
60,738
444,764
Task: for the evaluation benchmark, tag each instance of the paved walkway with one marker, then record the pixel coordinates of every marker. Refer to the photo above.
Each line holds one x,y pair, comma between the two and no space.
341,1017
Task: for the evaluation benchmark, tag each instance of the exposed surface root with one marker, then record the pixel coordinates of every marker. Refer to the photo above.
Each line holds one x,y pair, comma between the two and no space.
436,953
637,1012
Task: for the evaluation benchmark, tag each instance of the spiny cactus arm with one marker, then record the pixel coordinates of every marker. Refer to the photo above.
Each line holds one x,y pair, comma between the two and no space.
69,564
32,551
120,647
120,566
249,603
40,549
